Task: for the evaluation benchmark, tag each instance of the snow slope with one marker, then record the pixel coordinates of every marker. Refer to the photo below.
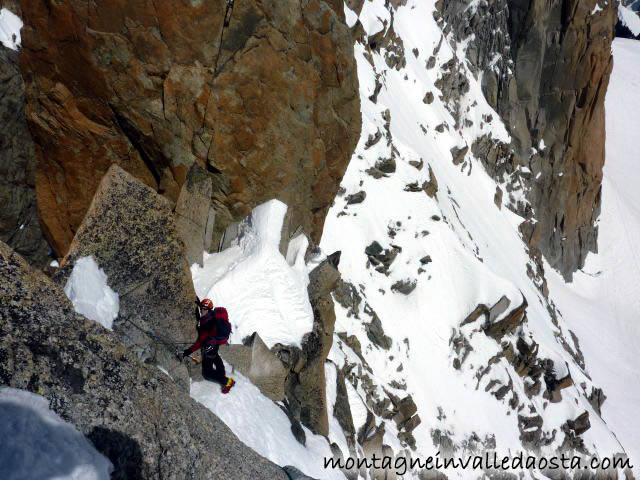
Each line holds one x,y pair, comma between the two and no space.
263,426
37,444
477,255
602,306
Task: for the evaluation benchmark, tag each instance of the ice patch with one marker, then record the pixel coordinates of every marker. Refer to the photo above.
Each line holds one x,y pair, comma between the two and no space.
10,25
37,443
91,296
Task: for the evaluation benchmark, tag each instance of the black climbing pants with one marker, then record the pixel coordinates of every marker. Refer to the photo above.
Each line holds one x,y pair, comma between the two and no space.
212,366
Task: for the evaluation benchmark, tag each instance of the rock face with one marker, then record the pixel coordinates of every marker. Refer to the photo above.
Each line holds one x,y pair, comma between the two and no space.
269,104
19,224
549,84
130,231
133,414
194,215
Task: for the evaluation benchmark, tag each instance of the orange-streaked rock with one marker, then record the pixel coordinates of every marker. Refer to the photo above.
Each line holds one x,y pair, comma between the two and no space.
150,87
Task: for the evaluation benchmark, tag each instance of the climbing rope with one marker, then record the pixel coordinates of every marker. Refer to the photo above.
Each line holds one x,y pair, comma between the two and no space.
156,337
225,24
160,341
227,13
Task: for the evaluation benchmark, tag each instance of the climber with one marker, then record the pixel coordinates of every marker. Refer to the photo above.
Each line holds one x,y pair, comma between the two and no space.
213,330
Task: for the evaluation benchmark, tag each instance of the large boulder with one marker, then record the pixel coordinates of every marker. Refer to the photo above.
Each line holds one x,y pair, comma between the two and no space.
130,231
270,104
256,362
132,413
19,224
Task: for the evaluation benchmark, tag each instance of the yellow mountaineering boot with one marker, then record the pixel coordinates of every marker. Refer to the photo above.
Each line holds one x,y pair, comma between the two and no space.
230,383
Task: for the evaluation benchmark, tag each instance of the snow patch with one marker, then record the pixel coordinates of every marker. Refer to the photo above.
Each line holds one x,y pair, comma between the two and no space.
296,251
10,25
374,17
91,296
350,16
37,443
630,19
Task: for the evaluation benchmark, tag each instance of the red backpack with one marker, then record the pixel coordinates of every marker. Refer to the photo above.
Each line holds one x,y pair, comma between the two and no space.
223,326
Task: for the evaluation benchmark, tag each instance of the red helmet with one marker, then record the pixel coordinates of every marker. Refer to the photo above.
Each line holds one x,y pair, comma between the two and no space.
207,303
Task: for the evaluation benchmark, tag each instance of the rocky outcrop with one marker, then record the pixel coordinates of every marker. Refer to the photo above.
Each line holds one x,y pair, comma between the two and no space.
294,474
317,344
405,286
381,258
132,413
545,68
497,329
342,412
306,384
269,104
496,323
431,187
19,224
375,332
130,231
